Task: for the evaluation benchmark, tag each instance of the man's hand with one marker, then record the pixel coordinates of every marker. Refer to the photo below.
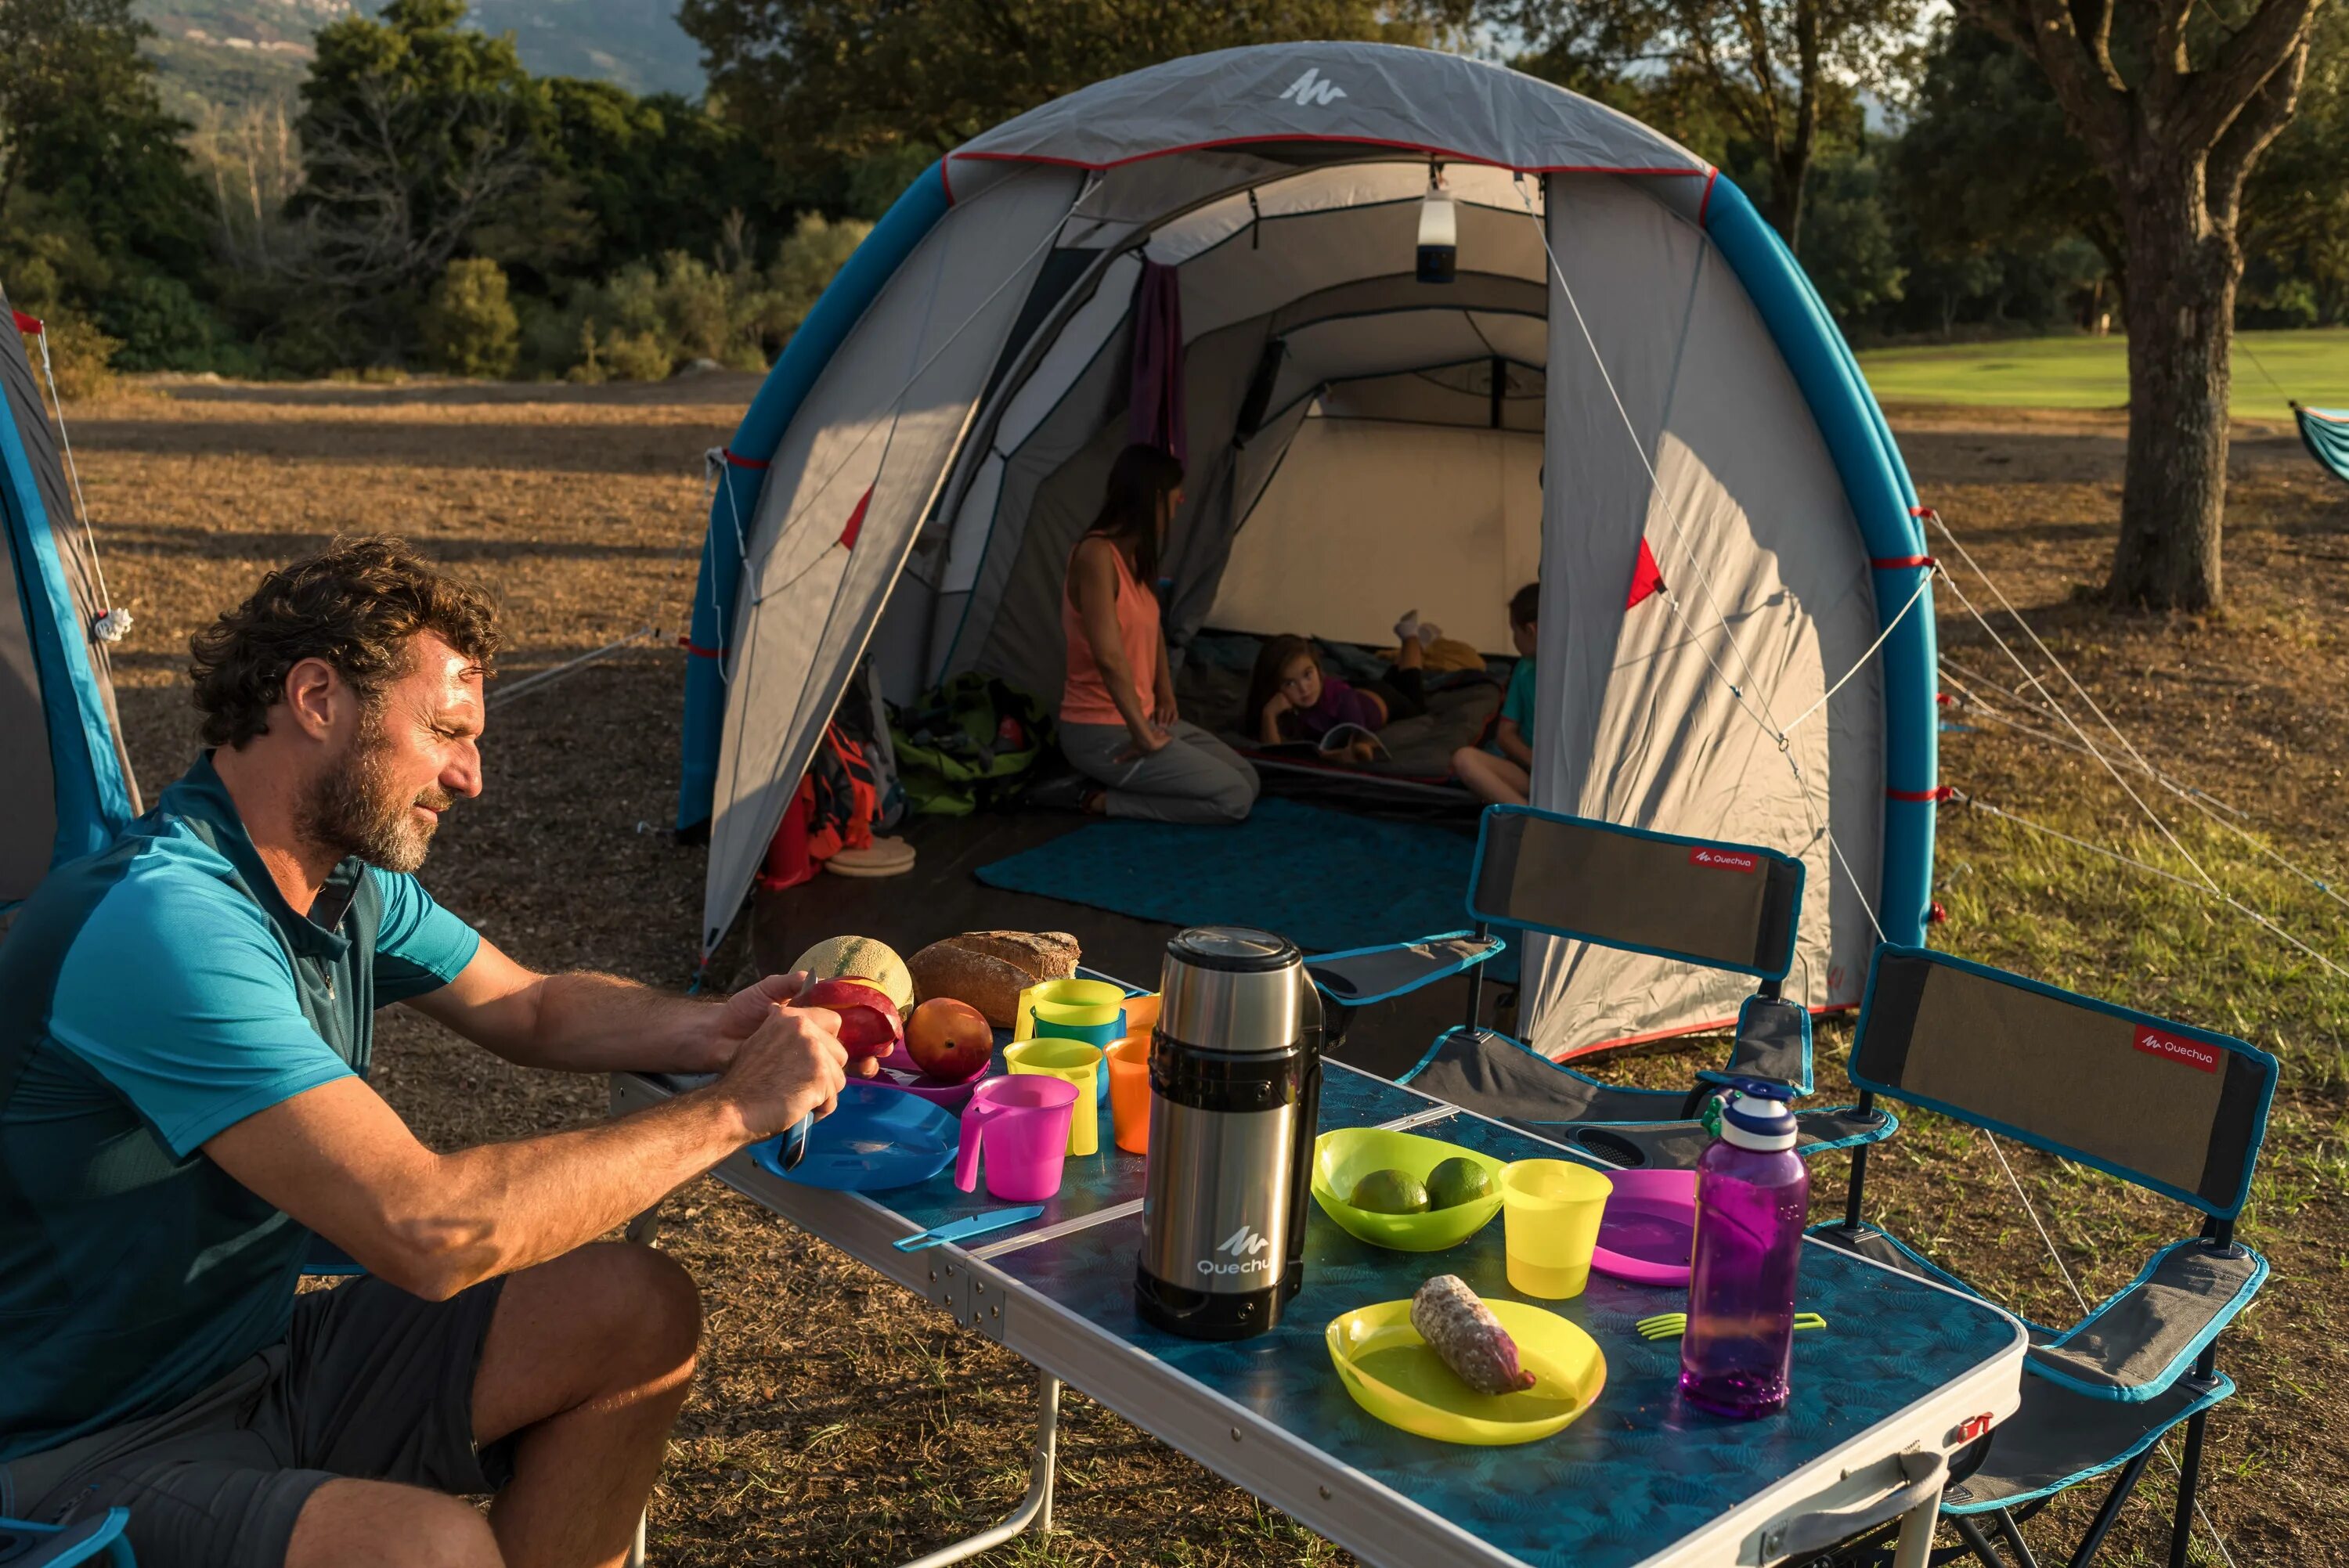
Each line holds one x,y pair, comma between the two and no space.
747,1010
1147,742
792,1064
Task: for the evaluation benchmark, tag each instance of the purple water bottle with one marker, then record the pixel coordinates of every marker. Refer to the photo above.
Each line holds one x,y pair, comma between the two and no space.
1752,1195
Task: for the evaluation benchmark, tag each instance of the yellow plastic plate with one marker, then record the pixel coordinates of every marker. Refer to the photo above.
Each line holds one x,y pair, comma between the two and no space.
1391,1372
1344,1156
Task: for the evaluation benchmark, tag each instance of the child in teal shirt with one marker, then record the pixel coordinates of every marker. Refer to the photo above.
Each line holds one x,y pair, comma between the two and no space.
1500,772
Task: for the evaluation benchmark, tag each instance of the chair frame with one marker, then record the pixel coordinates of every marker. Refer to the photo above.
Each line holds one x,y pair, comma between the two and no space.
2216,1232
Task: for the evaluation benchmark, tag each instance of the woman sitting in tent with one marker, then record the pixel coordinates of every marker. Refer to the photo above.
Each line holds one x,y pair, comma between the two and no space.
1118,723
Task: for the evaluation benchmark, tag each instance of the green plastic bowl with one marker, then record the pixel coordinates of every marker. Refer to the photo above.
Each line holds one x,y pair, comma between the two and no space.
1344,1156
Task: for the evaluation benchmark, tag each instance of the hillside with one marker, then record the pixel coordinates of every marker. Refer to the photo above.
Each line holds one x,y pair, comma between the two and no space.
232,53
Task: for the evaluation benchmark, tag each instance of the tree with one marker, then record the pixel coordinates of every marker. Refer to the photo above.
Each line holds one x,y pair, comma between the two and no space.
2176,102
417,134
470,327
2296,204
827,85
81,124
1779,73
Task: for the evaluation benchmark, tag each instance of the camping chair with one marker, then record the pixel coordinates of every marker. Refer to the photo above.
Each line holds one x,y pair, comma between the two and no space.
2176,1110
23,1544
1725,906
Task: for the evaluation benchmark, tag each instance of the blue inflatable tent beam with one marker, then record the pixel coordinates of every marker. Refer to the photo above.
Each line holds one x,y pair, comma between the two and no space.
735,503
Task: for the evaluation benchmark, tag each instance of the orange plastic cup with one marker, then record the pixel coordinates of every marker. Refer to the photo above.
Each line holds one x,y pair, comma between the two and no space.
1129,1092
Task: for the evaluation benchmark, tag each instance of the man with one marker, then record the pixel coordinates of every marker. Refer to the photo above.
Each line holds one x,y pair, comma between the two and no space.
185,1030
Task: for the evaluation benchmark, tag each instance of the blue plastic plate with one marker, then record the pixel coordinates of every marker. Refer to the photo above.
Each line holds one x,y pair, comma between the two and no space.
875,1140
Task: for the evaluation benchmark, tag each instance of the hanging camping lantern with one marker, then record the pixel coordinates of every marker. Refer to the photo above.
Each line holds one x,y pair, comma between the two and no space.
1439,231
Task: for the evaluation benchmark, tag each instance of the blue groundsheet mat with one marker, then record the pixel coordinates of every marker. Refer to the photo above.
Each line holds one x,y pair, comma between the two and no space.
1326,879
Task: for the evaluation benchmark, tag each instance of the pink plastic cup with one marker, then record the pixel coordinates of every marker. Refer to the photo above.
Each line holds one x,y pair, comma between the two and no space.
1023,1120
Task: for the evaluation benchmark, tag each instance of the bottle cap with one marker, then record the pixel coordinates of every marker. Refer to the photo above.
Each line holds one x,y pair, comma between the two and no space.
1757,1116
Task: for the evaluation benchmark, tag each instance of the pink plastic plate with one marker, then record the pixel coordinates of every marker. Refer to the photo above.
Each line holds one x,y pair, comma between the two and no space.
1650,1223
898,1071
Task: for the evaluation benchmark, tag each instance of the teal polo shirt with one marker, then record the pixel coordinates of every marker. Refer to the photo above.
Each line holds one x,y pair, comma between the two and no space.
151,995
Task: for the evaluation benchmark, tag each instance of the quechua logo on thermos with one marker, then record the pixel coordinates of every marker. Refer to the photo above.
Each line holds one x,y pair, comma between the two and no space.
1246,1246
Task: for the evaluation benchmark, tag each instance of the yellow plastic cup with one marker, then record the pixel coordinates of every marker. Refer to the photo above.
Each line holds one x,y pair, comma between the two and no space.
1550,1210
1079,1004
1080,1064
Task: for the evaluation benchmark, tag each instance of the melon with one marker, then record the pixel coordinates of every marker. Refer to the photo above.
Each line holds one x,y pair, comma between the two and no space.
861,958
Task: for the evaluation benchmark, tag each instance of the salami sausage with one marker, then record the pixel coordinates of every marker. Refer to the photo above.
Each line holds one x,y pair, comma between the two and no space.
1462,1331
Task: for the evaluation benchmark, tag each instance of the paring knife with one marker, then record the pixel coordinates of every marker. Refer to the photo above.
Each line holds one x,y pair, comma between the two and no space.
977,1225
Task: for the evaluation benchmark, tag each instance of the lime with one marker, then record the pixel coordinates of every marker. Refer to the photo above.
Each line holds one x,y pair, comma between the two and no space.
1457,1180
1389,1193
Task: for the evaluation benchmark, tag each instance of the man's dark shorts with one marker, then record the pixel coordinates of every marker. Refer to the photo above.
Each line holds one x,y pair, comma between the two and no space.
371,1383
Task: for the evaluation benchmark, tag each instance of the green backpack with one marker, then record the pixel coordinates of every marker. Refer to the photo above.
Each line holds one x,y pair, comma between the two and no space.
969,745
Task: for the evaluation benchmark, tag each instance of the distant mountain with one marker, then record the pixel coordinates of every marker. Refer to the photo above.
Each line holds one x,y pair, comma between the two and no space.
231,53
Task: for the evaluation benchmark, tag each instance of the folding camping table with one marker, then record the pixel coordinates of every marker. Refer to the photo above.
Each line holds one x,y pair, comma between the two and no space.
1907,1373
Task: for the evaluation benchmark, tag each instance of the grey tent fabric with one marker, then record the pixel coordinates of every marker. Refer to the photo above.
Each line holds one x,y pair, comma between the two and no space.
29,838
1363,93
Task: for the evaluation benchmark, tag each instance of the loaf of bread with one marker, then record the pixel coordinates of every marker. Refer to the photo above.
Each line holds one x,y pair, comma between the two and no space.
989,969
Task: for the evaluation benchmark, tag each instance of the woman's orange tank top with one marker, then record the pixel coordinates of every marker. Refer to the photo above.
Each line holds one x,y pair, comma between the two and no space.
1084,698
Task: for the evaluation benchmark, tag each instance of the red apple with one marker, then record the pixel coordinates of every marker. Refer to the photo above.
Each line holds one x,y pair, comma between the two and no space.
949,1040
869,1026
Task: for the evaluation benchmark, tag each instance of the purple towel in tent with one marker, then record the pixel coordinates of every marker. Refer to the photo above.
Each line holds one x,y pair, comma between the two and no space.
1155,406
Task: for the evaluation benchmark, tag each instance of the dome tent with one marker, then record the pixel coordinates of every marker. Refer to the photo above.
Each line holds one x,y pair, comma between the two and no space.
67,786
914,472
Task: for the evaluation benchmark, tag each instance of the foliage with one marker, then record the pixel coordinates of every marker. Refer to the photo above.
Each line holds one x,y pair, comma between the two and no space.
1784,75
648,318
470,327
828,85
80,123
2296,206
1847,244
81,358
161,326
417,134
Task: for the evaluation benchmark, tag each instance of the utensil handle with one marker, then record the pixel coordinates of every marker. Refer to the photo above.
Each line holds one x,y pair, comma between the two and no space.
975,1118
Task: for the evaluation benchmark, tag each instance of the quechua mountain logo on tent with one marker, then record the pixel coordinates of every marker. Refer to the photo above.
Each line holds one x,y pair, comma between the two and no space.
1312,87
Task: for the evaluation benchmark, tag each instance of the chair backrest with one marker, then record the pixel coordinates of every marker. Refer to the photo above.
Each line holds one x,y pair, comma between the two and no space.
1728,906
2170,1107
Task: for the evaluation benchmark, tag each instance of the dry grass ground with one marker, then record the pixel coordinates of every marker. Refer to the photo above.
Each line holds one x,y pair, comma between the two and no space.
837,1419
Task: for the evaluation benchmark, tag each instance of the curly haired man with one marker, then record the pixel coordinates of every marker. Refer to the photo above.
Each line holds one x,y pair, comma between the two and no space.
185,1021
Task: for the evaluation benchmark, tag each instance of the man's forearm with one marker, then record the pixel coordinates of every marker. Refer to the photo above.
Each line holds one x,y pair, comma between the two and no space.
489,1211
589,1023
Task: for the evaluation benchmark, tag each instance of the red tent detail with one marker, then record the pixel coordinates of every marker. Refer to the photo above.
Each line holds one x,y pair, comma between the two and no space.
1647,577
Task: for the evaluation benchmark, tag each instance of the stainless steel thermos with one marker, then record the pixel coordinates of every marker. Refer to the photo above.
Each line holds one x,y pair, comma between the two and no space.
1236,1086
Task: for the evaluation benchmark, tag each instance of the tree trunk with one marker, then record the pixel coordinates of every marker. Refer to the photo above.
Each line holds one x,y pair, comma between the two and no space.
1790,172
2180,309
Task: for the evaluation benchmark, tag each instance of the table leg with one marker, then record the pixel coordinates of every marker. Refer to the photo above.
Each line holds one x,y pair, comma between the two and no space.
1915,1549
645,1231
1035,1510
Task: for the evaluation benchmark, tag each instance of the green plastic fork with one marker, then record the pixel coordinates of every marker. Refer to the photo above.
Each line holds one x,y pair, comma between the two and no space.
1673,1325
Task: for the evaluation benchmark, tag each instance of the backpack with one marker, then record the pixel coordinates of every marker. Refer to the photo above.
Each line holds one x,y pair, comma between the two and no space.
969,745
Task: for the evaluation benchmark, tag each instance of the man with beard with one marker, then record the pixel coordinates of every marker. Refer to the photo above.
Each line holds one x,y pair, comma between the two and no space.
185,1021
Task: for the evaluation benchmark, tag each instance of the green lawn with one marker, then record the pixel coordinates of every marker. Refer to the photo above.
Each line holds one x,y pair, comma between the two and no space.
2093,372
